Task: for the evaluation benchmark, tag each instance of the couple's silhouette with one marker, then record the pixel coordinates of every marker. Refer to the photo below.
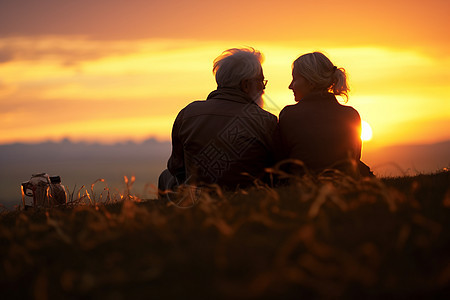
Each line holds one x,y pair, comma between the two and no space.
229,140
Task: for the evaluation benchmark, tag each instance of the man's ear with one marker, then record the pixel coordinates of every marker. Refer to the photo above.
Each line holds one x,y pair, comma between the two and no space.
245,85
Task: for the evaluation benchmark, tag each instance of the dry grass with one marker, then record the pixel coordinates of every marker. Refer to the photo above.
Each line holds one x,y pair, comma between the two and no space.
316,238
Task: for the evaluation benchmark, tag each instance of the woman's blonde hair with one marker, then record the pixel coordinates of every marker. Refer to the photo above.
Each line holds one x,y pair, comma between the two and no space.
322,73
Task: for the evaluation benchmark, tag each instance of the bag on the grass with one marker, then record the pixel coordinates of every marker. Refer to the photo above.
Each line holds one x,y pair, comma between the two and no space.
46,190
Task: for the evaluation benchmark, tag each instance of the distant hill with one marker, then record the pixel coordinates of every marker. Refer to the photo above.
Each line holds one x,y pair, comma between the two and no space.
81,164
403,160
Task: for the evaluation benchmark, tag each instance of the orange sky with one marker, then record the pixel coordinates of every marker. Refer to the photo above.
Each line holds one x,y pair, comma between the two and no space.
108,71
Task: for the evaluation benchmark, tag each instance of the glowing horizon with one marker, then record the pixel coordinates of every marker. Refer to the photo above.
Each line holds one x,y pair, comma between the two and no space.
127,69
136,94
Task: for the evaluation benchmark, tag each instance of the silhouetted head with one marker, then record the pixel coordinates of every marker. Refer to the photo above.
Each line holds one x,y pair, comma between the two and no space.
240,68
314,72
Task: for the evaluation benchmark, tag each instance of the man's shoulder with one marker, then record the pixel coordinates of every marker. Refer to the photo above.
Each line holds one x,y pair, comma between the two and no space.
253,110
194,107
195,103
270,115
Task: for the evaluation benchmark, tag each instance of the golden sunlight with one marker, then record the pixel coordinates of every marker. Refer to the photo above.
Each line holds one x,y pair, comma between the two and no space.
366,131
135,89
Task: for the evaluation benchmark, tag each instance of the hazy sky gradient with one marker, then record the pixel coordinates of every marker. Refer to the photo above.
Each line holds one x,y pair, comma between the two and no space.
112,70
355,22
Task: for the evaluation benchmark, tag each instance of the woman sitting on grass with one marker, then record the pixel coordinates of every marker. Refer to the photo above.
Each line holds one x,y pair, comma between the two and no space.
318,130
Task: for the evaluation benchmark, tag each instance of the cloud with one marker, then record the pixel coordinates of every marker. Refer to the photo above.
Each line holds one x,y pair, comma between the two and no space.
403,22
101,19
6,55
67,51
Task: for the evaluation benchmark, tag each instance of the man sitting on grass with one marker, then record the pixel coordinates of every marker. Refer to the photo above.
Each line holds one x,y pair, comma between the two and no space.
227,139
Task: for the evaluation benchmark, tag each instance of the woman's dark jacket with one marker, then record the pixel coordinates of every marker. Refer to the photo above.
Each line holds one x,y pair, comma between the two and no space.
320,132
226,139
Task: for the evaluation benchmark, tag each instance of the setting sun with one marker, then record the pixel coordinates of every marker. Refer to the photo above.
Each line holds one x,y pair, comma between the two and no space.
366,131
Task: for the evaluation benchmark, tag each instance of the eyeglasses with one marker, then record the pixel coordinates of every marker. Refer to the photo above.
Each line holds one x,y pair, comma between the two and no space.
263,81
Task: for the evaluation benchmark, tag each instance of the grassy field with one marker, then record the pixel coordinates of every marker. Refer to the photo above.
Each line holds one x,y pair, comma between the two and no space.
316,238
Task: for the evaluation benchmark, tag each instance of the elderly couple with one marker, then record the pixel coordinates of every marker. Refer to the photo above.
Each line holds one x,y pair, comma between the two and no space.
229,140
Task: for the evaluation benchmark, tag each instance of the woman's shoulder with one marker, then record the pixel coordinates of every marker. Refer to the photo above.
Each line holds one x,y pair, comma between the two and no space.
350,113
352,110
289,109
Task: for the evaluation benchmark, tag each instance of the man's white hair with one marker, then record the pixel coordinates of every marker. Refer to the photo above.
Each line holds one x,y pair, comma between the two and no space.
235,65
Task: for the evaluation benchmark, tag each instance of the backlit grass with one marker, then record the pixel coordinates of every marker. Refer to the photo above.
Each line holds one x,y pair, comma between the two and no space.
315,238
